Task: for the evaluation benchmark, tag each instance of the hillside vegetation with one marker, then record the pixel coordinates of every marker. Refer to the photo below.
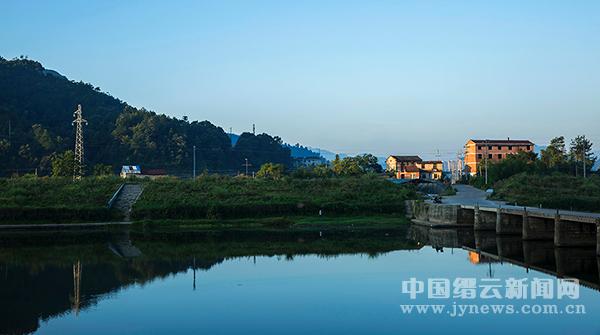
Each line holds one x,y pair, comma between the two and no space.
36,111
215,197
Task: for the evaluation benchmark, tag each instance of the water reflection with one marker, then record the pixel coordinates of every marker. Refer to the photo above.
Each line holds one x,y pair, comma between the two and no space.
59,275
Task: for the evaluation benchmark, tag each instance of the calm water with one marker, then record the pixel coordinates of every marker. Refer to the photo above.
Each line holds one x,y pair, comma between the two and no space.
273,283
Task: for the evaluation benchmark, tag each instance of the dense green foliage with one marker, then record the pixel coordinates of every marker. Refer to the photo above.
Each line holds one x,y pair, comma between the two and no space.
270,170
554,158
352,166
36,111
556,190
510,166
56,199
228,197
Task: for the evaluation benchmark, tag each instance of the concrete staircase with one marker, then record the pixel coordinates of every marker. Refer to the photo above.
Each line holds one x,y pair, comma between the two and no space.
128,196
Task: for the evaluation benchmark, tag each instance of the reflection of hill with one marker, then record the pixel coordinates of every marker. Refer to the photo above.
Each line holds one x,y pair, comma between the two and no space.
37,270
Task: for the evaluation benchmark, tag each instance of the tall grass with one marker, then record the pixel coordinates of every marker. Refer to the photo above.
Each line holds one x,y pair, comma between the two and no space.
216,197
56,199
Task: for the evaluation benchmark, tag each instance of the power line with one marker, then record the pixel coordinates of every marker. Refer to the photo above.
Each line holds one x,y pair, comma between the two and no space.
194,174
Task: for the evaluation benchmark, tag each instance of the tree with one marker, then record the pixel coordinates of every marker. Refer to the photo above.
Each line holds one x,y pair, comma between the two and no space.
261,149
555,155
44,138
102,170
581,151
357,165
322,171
63,164
369,163
270,170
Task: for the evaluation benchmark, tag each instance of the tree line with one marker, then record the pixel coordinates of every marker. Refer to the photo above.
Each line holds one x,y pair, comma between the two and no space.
576,159
339,167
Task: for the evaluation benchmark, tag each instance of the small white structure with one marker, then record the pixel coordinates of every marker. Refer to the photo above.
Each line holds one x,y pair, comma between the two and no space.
128,171
309,161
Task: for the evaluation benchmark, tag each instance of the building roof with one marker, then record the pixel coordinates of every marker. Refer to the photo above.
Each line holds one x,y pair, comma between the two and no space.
130,169
407,158
502,142
432,162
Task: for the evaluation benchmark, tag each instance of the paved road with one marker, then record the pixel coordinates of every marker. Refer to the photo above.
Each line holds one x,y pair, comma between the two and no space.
469,195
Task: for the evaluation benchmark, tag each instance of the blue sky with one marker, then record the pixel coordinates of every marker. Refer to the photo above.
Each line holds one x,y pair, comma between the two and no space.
384,77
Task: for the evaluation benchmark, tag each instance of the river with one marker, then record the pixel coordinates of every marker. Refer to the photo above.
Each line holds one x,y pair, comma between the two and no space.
306,282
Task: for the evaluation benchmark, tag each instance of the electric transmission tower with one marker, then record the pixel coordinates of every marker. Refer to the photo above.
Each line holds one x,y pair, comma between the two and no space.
78,164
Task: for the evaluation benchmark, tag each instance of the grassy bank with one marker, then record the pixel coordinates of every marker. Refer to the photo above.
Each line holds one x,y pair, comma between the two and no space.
289,223
216,197
31,199
551,191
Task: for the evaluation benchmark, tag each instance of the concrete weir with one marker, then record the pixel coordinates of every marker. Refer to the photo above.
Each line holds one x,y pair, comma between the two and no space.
508,223
536,228
568,233
484,220
438,215
565,229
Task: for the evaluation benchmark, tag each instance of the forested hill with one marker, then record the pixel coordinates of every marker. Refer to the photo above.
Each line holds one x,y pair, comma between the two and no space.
36,111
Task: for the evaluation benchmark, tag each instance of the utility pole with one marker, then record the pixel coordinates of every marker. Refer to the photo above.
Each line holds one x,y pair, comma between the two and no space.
194,173
78,122
486,162
246,164
253,129
584,172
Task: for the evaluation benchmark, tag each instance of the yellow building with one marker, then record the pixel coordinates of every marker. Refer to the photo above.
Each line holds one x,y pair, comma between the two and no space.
413,167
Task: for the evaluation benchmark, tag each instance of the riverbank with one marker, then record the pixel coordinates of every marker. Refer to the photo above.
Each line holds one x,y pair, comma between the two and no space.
219,197
57,200
214,201
291,223
556,190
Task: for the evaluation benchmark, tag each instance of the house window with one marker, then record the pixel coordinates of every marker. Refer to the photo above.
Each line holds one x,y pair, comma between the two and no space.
489,147
479,147
499,156
529,147
479,156
510,147
490,156
499,147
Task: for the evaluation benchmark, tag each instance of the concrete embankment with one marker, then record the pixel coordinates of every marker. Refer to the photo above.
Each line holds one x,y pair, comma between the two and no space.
438,215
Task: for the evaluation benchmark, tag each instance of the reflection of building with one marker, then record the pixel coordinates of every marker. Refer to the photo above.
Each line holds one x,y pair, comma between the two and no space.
309,161
477,258
413,167
478,151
